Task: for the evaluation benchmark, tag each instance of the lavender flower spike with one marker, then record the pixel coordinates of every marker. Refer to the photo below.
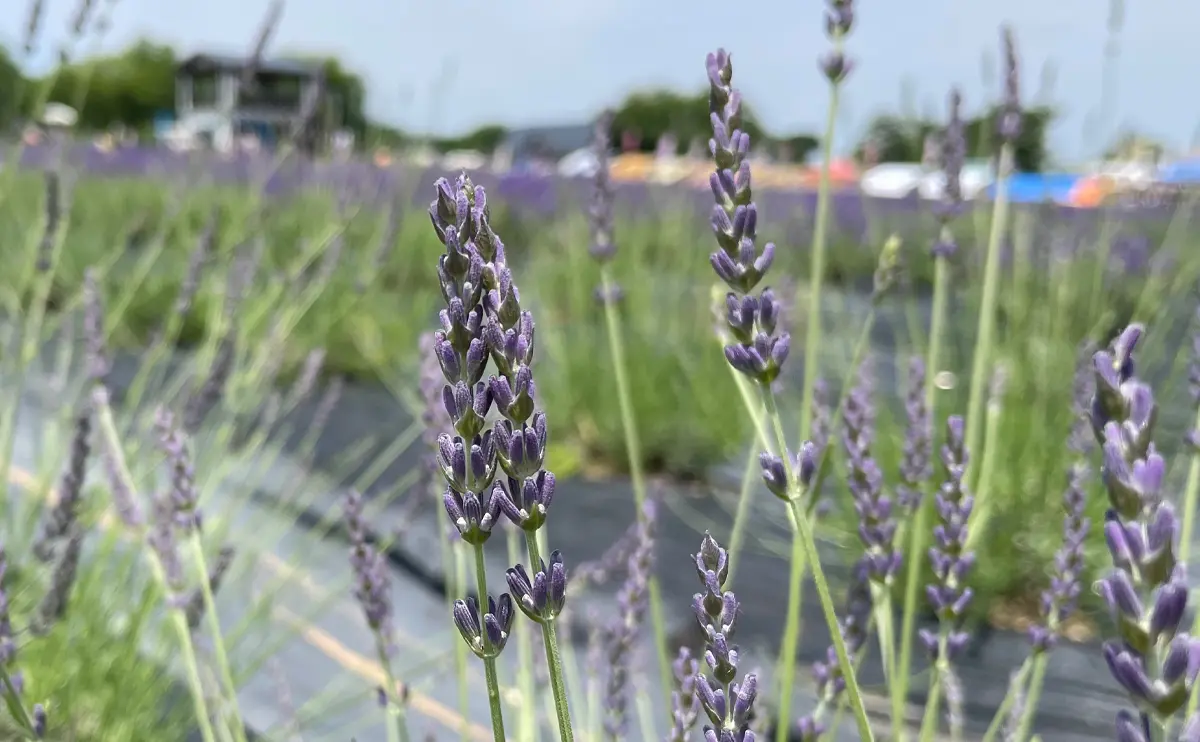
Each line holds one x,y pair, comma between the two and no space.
8,646
948,595
372,589
1147,591
916,466
633,600
756,350
1009,126
953,155
685,705
877,522
728,705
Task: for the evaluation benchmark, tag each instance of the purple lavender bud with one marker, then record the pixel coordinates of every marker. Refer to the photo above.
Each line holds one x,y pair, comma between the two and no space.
372,588
756,351
542,596
1147,590
717,611
802,465
39,720
951,158
632,599
877,523
839,18
836,66
8,645
496,623
53,604
916,466
62,517
685,704
1009,127
1130,729
1059,600
97,362
183,496
948,595
600,210
1083,388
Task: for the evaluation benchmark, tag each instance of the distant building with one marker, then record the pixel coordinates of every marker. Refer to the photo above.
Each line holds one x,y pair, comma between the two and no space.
213,105
546,143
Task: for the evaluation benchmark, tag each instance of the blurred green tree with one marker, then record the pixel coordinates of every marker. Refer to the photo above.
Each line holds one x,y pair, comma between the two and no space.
484,139
901,139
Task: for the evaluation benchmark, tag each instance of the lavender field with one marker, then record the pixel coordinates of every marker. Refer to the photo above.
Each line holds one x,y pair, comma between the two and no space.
298,449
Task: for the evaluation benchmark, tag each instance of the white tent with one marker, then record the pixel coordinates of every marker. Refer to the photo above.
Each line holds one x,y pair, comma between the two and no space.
891,180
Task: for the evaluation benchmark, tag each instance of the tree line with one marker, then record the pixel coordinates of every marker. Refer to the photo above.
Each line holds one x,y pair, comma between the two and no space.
133,87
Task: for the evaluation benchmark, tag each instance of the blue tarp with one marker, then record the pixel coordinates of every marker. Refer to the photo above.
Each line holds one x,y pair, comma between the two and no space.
1184,171
1034,188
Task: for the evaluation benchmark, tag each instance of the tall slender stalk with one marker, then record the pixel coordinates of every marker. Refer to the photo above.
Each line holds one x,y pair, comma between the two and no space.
218,639
800,523
919,532
489,661
637,473
112,442
987,309
527,725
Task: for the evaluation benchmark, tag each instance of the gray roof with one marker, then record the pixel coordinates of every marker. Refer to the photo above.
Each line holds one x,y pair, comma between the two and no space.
232,63
558,140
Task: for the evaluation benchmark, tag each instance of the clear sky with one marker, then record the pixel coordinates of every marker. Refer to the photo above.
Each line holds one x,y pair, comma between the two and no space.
450,65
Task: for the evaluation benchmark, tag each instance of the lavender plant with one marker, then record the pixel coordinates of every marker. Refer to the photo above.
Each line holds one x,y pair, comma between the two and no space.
483,317
729,705
758,353
1147,590
373,592
604,249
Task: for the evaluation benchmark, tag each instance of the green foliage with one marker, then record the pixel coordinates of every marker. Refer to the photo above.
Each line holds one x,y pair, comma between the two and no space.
484,139
900,139
647,116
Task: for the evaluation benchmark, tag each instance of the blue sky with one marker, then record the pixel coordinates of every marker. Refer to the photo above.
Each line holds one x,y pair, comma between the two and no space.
449,66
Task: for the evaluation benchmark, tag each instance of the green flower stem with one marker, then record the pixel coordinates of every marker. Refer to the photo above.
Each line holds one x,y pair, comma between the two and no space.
739,517
16,707
798,560
1190,491
1038,678
527,724
558,685
218,637
812,338
637,474
929,722
1010,699
983,495
397,724
920,528
803,531
112,442
30,336
489,662
987,312
460,648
